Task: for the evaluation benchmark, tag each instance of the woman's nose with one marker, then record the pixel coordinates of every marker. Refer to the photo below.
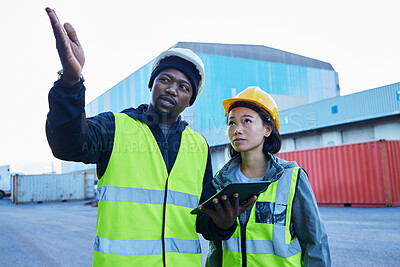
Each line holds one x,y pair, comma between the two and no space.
238,130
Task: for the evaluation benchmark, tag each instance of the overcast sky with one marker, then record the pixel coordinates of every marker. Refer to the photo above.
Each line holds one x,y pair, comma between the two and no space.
359,38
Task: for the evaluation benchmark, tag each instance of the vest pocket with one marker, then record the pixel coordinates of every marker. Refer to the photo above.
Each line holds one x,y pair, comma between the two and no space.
269,212
264,212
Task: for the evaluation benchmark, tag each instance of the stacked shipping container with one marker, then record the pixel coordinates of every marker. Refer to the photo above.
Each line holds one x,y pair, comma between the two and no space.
52,187
362,174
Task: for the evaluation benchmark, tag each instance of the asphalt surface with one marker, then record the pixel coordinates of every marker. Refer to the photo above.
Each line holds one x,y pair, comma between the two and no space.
62,234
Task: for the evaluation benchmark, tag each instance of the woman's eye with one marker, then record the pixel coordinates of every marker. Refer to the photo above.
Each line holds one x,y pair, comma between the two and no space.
247,121
230,123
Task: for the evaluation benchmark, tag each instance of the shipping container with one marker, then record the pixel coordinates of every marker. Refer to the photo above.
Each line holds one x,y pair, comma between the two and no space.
362,174
52,187
5,181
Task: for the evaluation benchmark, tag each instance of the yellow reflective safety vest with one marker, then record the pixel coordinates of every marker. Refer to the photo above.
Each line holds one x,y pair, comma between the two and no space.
266,240
143,216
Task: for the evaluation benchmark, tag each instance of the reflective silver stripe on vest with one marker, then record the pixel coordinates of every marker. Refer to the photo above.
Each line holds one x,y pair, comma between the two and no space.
182,246
139,195
283,188
282,249
267,247
232,244
260,246
145,247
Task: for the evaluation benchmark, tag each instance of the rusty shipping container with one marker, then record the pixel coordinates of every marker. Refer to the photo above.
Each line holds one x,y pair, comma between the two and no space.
52,187
362,174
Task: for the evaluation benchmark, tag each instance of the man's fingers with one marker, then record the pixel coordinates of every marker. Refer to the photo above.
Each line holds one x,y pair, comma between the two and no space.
247,204
212,213
71,33
52,15
218,206
53,18
235,200
58,29
226,203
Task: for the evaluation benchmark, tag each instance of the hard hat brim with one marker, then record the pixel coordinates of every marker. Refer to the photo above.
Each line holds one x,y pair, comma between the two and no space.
188,55
227,103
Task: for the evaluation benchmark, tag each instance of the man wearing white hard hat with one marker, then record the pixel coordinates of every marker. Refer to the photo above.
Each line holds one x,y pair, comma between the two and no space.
153,169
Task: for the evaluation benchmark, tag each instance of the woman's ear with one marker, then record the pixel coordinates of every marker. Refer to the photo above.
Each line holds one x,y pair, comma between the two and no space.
268,131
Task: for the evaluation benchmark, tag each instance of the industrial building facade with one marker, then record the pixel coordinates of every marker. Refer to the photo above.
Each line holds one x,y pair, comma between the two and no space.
365,116
291,79
334,137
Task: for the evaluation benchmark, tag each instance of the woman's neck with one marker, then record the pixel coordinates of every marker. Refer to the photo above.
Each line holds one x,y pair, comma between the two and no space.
254,164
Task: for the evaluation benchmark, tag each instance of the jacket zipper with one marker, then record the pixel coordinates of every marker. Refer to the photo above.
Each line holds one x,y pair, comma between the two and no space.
243,243
163,228
165,156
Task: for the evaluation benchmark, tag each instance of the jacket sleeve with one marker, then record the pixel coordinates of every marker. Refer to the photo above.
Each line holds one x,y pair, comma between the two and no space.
70,135
204,224
308,225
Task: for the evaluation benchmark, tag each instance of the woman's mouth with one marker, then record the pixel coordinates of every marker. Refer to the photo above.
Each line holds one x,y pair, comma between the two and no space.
239,140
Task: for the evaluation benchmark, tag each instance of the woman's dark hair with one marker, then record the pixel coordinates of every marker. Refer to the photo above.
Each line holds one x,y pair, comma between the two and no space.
273,142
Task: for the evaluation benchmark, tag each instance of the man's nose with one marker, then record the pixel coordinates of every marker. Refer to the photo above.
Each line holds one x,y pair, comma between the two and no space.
172,89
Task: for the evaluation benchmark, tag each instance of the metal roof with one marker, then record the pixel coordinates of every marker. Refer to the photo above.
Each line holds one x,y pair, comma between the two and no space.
256,52
369,104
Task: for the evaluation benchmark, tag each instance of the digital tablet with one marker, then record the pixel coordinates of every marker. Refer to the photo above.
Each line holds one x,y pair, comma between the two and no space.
245,190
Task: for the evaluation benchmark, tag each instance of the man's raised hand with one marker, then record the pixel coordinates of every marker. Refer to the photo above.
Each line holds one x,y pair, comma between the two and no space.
69,49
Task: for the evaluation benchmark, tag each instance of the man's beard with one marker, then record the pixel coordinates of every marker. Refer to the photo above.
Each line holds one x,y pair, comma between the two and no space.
162,116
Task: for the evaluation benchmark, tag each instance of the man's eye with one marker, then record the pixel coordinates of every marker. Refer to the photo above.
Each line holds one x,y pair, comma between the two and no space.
185,87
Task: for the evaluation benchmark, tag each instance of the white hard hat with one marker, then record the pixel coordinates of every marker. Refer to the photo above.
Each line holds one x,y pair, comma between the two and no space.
186,54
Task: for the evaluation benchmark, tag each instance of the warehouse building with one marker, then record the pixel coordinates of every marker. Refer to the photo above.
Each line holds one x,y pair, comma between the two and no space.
291,79
349,145
365,116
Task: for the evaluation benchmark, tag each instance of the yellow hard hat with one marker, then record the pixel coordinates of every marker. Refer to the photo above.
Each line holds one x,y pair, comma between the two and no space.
255,95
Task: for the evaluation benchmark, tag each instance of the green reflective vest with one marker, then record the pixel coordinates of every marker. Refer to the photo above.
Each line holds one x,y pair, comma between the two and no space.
143,216
266,238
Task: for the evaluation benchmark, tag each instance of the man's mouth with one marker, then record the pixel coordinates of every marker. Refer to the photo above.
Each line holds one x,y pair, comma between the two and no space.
167,101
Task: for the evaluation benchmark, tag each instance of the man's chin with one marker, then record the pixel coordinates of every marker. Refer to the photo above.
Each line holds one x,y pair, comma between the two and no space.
164,113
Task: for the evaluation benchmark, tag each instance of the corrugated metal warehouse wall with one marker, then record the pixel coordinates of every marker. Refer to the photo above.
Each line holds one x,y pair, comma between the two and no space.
362,174
222,75
369,104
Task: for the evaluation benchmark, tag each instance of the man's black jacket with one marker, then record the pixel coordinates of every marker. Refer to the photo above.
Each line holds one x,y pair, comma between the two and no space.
74,137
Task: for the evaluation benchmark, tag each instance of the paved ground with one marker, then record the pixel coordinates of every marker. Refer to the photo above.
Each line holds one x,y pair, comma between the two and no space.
62,234
363,236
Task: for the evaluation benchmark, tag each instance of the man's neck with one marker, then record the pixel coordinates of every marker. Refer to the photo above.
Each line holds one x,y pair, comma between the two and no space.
156,117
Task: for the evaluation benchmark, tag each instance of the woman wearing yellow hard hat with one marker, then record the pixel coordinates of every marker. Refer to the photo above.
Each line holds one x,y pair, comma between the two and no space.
283,227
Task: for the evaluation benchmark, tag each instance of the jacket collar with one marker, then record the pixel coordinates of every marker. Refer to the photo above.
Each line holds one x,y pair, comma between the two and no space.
276,167
139,113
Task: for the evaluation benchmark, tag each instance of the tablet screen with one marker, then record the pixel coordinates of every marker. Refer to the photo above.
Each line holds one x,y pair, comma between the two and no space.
245,190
